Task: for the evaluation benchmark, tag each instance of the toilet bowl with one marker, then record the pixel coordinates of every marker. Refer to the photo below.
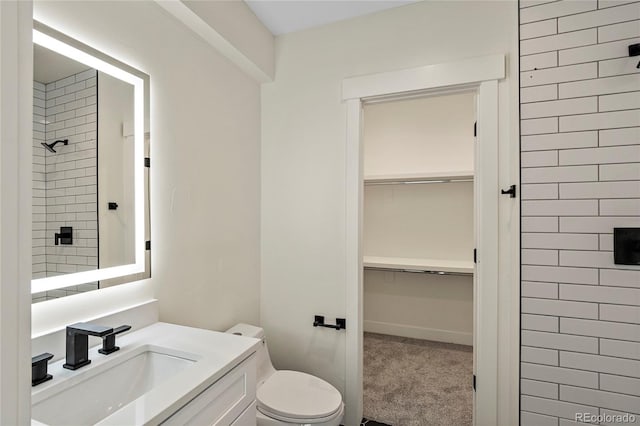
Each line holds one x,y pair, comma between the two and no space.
287,397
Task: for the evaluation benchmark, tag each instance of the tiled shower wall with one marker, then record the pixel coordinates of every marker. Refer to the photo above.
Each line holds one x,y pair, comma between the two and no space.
39,201
70,177
580,159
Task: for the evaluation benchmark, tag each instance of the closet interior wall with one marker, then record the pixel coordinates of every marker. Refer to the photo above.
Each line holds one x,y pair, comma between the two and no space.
415,221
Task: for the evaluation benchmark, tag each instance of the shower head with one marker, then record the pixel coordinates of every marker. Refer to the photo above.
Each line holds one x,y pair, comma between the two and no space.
50,146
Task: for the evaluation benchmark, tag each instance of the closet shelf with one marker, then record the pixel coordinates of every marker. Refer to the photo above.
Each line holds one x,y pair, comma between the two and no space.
446,176
418,265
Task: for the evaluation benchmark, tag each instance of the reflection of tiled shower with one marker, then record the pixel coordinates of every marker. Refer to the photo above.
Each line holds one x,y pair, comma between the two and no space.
39,259
65,182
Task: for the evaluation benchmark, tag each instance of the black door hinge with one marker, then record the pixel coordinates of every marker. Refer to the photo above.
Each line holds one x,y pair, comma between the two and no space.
147,162
475,129
475,255
474,382
147,245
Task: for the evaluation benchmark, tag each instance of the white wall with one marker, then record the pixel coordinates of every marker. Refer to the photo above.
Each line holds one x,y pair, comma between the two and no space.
411,137
429,221
433,221
427,134
421,306
205,150
237,23
303,161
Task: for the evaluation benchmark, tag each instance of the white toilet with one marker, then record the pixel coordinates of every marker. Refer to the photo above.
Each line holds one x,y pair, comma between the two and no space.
291,397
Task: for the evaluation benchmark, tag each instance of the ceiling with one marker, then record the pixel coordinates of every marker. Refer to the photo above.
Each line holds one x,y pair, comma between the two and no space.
50,66
283,16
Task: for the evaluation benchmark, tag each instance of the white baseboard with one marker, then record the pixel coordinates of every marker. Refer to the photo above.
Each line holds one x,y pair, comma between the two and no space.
415,332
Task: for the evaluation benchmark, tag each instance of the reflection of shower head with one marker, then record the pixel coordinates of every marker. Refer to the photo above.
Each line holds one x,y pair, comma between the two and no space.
50,146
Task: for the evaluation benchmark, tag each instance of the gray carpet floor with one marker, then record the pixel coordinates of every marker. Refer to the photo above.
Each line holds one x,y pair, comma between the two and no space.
411,382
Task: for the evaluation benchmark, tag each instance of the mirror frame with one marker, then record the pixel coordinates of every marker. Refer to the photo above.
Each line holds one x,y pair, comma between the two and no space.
66,46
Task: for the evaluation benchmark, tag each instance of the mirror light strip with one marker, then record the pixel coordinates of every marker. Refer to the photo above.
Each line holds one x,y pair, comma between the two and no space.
61,281
78,55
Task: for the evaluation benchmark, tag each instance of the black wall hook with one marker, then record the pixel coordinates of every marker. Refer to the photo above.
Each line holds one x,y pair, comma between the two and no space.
511,191
341,323
634,50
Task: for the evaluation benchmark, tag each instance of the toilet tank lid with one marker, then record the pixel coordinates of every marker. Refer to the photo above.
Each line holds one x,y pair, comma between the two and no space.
247,330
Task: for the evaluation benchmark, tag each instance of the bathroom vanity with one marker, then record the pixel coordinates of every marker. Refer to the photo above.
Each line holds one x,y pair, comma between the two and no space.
162,374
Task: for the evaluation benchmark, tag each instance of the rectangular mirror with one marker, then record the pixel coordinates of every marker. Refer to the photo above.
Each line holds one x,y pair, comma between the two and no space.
90,168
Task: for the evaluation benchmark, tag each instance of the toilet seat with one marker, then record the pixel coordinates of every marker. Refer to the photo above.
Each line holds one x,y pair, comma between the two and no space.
296,397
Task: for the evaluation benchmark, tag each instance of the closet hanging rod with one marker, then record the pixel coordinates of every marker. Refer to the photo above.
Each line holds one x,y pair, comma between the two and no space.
418,271
414,182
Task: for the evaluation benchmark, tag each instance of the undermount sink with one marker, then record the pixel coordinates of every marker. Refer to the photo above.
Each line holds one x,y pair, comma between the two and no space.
107,388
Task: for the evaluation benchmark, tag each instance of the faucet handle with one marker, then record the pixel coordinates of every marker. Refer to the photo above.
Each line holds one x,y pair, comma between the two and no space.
39,364
109,340
89,329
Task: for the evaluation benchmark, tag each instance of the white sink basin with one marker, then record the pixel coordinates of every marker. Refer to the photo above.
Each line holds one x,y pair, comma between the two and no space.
103,390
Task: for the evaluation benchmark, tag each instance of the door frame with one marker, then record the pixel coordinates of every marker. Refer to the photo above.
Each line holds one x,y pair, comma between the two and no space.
16,119
483,74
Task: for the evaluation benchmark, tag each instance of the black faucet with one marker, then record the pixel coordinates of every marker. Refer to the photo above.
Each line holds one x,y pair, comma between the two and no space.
78,343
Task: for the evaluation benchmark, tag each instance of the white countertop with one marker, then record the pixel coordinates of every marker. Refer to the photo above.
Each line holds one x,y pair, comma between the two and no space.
217,353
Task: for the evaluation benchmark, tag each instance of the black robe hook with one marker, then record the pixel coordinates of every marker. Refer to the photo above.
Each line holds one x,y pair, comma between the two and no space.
634,50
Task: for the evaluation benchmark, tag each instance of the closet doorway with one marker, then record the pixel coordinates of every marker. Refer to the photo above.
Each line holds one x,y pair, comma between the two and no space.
473,77
418,243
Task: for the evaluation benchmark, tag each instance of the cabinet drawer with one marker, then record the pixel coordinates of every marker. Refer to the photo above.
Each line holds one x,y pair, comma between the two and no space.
222,402
248,418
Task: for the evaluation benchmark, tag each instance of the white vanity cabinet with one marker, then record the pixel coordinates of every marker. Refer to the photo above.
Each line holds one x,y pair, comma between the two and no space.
228,401
248,417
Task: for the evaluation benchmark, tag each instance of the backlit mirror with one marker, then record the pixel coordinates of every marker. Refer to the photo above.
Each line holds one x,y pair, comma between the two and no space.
90,175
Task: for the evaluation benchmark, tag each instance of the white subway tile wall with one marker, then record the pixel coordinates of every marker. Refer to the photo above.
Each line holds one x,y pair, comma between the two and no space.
580,163
65,182
39,202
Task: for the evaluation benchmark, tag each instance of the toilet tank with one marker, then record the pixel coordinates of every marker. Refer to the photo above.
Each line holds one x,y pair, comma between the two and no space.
265,367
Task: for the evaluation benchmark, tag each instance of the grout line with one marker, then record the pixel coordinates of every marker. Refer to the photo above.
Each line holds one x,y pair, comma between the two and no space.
624,21
557,16
541,4
580,318
557,34
575,351
575,369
